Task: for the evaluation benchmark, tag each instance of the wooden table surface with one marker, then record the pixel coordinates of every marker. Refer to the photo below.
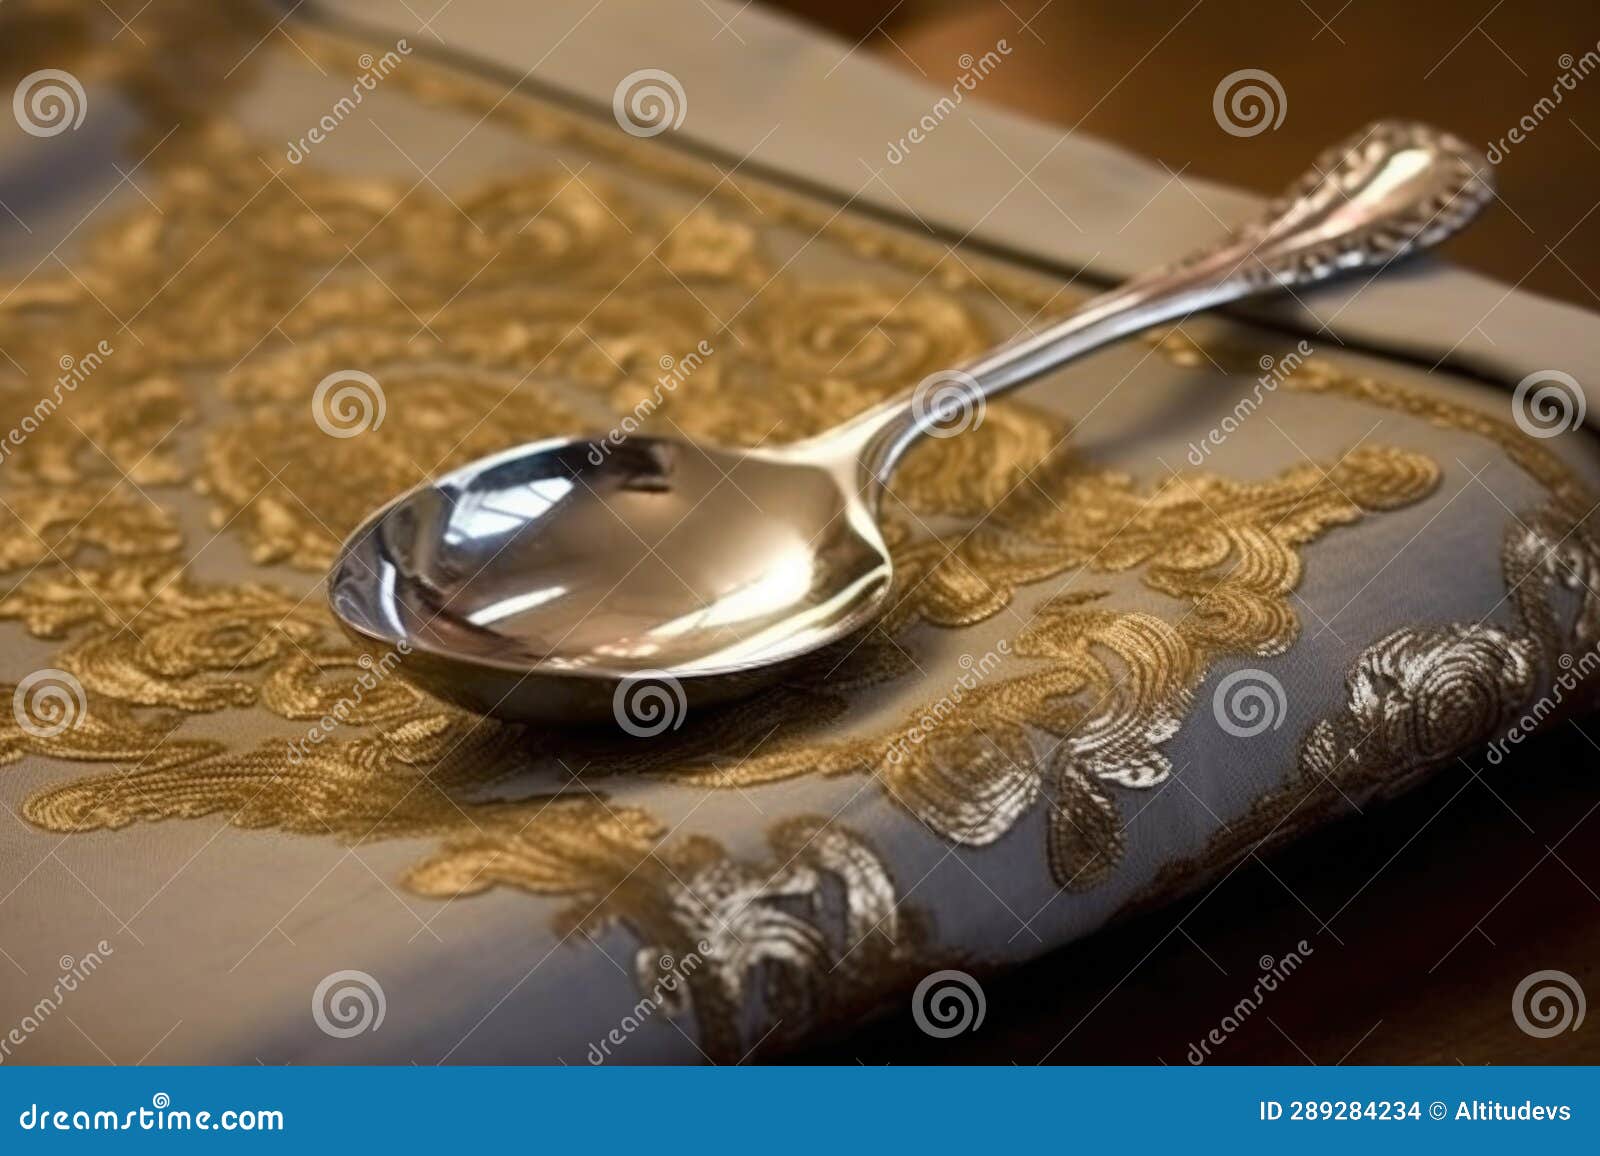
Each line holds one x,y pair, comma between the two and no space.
1423,915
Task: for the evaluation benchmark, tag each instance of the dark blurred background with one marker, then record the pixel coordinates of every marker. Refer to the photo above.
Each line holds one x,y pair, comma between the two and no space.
1142,75
1486,871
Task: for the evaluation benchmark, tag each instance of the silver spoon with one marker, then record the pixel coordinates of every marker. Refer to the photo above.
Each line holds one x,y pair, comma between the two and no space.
574,578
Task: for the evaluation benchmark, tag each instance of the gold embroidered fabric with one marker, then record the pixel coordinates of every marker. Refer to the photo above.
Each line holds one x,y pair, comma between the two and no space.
164,525
819,925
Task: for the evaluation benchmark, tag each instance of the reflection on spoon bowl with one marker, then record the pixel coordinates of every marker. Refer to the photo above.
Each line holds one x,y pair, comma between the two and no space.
532,584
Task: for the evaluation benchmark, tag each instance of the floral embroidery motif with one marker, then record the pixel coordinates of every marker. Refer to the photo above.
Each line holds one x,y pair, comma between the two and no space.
1421,697
1107,687
816,932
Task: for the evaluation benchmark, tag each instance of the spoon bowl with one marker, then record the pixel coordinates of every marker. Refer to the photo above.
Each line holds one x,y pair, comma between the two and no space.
536,583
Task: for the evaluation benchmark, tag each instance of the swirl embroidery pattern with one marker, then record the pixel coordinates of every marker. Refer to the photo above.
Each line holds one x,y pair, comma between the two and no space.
1423,696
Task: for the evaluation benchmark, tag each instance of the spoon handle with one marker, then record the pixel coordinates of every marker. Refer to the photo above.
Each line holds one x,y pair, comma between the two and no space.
1386,192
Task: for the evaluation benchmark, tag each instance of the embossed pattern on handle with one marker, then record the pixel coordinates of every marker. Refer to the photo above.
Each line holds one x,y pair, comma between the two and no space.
1393,189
